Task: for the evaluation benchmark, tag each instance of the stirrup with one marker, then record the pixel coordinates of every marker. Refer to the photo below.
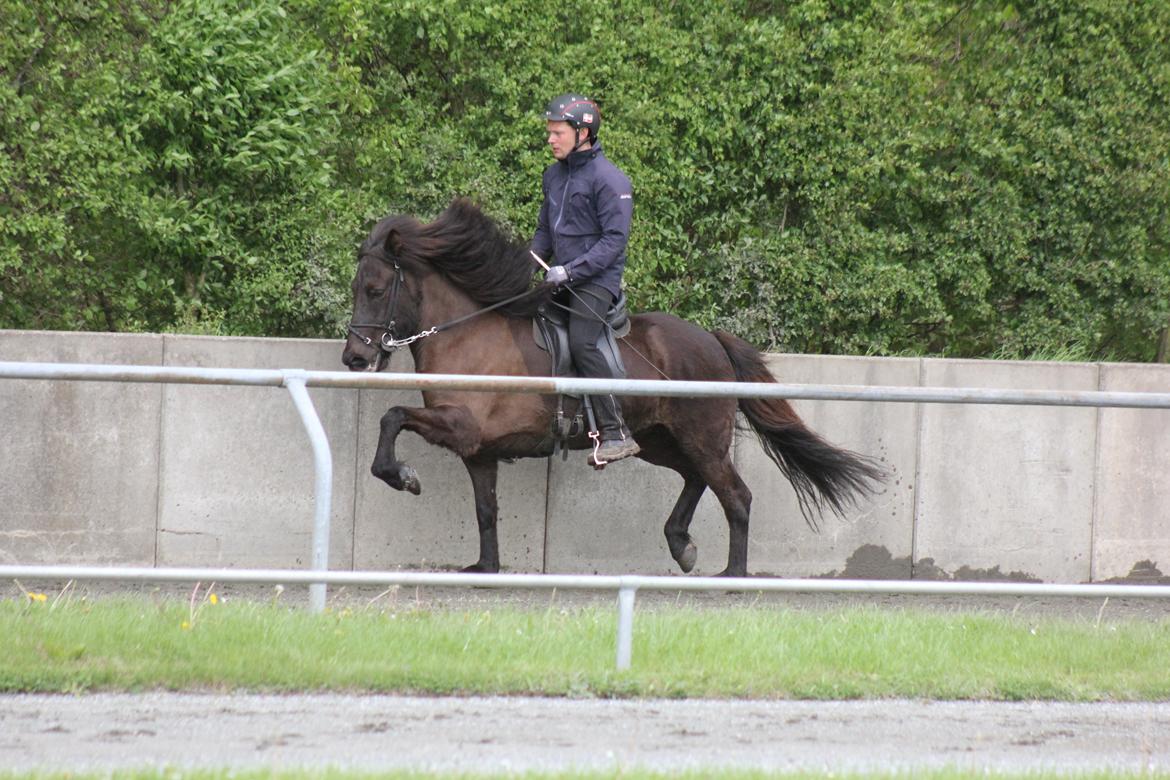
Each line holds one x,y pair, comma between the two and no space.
597,463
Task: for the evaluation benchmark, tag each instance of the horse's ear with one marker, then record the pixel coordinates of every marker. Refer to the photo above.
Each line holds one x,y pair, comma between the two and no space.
393,243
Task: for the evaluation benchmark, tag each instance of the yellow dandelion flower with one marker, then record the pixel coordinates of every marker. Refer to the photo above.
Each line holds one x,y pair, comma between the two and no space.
38,597
214,599
186,626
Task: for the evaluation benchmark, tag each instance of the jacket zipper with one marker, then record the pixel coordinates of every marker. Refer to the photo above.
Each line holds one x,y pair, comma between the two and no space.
561,211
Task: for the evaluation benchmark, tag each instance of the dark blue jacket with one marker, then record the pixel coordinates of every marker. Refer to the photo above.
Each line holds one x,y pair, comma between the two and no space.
584,221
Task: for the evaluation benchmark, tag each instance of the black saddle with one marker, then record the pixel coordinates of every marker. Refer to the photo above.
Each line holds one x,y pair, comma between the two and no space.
550,330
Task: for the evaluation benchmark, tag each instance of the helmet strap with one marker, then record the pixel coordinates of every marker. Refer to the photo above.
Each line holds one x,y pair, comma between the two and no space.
580,143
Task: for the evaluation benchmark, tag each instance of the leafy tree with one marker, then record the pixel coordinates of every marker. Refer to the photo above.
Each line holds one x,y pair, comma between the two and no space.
960,178
59,155
187,179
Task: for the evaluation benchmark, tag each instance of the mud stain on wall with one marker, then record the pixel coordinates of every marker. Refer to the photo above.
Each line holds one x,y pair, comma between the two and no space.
874,562
1142,573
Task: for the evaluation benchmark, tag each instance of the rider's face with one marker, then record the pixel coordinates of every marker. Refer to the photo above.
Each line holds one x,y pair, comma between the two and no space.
561,139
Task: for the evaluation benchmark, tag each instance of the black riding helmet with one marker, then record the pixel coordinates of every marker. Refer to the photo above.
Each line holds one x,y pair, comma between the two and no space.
578,110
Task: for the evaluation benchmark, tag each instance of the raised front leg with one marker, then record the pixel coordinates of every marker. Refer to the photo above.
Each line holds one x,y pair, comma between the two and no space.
386,465
483,473
446,426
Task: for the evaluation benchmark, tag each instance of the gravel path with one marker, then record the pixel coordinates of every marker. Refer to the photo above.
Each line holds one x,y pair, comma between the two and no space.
124,731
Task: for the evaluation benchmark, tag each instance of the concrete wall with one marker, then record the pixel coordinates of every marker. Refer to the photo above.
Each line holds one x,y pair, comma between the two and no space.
185,475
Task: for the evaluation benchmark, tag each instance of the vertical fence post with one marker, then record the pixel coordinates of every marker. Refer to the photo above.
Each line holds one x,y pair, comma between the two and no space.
625,634
294,380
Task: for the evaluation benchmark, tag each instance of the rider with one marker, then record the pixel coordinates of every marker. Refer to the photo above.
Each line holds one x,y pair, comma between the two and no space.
581,232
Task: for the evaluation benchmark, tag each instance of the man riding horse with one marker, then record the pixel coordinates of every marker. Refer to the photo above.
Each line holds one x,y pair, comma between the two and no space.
581,232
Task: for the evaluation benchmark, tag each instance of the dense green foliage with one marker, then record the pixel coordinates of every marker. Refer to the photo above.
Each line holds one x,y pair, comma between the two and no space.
958,178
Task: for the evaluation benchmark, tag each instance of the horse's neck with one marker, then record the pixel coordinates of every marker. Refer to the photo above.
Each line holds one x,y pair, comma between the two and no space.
467,348
442,302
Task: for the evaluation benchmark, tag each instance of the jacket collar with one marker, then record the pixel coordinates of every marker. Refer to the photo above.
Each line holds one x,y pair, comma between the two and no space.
582,156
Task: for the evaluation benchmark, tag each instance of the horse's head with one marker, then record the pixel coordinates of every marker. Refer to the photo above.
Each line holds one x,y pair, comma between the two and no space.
384,309
480,267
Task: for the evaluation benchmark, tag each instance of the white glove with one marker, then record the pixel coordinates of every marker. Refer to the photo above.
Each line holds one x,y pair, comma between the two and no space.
556,275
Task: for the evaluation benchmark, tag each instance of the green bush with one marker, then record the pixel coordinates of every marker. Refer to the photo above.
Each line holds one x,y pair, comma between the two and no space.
170,169
964,179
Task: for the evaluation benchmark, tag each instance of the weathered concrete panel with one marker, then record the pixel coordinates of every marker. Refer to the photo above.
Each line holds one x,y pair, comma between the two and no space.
237,467
1132,523
610,521
78,460
1007,490
998,489
437,529
875,539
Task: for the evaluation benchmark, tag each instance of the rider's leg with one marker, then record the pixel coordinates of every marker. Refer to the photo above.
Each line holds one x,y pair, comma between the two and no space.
587,310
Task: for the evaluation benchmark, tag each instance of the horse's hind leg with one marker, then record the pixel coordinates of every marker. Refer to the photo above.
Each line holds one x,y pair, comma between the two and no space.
483,474
736,500
682,547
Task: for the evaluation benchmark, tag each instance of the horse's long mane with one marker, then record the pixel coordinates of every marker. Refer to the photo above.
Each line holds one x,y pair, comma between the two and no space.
470,249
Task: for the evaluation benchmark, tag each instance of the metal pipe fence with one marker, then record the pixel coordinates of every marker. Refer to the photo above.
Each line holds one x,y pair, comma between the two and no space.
318,577
576,385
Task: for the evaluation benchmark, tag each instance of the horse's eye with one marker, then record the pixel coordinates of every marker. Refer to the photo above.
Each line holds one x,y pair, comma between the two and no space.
376,293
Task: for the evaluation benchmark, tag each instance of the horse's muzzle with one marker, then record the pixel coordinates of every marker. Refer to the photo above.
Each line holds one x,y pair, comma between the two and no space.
355,362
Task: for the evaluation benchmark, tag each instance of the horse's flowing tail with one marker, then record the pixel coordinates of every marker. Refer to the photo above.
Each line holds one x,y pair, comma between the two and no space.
820,473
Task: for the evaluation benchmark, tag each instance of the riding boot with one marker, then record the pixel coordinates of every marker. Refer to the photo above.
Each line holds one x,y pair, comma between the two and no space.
587,308
616,440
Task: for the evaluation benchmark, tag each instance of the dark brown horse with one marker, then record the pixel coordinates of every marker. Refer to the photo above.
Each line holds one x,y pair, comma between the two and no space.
412,277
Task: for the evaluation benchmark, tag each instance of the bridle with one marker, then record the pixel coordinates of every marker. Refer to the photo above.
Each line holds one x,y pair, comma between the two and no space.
388,342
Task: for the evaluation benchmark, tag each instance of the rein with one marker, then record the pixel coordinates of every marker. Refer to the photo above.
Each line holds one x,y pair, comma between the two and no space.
388,342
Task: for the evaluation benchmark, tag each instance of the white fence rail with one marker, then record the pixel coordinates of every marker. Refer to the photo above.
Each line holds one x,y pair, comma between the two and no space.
297,380
83,372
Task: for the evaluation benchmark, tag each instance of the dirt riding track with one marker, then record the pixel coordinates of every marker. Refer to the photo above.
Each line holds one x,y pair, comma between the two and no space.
120,731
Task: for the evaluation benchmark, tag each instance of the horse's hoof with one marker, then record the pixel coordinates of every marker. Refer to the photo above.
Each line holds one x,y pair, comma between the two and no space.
403,478
480,568
398,476
410,481
686,559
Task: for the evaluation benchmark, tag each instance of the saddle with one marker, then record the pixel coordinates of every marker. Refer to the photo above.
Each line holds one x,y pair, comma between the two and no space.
550,330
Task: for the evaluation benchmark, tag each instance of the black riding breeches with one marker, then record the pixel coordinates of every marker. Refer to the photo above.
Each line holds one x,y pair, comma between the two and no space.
588,304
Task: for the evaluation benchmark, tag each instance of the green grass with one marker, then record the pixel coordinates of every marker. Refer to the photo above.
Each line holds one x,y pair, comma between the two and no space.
138,644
